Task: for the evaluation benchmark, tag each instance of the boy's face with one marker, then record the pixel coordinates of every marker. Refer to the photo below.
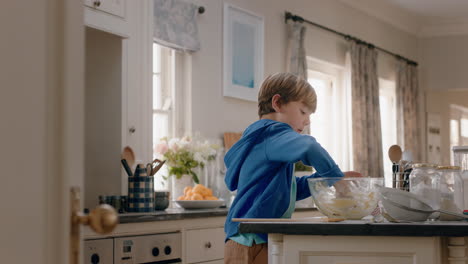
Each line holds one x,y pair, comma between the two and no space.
296,114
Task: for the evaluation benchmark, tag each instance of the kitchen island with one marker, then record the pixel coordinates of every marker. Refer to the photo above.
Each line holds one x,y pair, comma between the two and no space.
363,242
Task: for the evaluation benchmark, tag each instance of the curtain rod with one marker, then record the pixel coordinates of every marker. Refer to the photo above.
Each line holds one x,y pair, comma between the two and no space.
289,15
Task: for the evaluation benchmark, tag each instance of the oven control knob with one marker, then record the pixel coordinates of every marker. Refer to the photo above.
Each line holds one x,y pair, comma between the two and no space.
167,250
155,252
95,259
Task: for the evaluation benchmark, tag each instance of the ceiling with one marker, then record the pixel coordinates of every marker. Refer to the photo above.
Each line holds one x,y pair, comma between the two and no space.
420,17
434,9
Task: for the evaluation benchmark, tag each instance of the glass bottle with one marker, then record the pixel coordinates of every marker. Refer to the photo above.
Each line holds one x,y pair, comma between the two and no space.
451,191
424,182
460,156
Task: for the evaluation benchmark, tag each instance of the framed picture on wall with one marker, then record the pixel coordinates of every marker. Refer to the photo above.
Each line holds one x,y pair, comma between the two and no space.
243,53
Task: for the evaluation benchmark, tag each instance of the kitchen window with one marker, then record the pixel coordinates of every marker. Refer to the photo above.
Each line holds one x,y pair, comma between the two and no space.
458,127
169,103
331,124
163,92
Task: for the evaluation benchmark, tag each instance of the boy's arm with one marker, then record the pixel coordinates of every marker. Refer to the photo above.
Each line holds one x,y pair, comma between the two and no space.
286,145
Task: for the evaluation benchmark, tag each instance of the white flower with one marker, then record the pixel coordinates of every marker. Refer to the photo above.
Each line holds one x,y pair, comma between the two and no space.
198,157
173,144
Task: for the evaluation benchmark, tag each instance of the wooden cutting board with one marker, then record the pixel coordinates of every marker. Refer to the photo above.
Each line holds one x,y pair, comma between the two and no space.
286,220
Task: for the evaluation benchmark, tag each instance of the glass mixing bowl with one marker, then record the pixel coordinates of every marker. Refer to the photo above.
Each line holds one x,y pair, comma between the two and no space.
347,198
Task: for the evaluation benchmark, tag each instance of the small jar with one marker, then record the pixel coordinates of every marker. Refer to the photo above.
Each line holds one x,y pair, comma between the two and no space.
451,191
424,182
161,200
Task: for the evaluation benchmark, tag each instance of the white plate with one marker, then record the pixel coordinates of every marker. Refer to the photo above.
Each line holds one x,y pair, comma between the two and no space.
205,204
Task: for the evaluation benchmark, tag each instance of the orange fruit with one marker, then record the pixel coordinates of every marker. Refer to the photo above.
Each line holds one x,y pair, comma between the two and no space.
187,189
196,196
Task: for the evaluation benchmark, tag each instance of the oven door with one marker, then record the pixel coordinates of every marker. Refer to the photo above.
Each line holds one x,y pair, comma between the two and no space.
157,248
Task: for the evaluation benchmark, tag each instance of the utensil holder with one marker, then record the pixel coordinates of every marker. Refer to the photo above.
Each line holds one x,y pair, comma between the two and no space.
400,180
141,194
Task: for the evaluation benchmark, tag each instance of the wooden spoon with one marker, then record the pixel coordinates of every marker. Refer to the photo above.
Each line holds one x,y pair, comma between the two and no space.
129,156
395,153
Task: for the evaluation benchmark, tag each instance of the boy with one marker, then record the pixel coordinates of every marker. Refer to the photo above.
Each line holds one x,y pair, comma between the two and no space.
260,165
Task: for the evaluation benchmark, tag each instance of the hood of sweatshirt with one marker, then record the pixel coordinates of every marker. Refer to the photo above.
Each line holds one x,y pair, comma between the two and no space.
237,154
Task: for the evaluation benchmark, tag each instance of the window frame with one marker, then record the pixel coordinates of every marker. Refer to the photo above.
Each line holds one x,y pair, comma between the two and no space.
342,153
175,73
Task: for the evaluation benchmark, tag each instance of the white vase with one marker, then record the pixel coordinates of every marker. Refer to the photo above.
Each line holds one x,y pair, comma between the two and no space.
178,185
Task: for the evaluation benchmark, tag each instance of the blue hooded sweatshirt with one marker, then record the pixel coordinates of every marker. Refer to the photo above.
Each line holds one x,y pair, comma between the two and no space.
260,167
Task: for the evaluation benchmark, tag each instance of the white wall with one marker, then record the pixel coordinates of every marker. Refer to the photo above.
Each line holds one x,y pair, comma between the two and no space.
439,101
213,114
444,62
103,119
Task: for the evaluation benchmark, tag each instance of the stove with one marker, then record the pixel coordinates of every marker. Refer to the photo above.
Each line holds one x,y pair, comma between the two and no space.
157,248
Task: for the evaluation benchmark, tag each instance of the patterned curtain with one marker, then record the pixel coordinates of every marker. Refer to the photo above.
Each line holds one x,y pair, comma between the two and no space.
407,94
367,136
175,24
296,61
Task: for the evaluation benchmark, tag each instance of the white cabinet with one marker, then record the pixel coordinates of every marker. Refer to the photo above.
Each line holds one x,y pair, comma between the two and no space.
112,16
202,238
204,245
353,249
113,7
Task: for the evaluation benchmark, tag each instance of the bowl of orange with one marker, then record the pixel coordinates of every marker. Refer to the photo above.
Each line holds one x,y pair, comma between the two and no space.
198,197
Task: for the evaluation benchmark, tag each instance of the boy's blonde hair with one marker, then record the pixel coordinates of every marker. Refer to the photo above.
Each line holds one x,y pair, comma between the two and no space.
290,87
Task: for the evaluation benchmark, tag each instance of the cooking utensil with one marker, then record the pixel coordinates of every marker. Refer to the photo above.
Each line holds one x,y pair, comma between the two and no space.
395,154
402,205
126,167
156,165
286,220
129,156
407,155
230,138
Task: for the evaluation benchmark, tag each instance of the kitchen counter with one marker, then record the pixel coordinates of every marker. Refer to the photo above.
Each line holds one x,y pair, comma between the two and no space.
359,228
180,214
305,241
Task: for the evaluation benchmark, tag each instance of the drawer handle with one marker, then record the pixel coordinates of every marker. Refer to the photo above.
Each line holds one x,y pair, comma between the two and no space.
97,3
208,245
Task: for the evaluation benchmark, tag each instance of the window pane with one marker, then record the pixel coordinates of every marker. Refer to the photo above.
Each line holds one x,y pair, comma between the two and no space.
388,124
160,126
464,127
156,58
454,133
321,125
157,94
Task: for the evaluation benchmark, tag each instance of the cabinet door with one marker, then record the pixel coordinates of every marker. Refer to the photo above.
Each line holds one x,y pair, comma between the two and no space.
351,250
114,7
204,245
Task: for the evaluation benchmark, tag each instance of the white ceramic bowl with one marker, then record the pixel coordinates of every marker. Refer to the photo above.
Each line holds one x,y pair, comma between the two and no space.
392,197
200,204
347,198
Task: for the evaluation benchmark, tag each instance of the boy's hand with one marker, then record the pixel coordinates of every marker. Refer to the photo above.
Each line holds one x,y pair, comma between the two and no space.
341,186
352,174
